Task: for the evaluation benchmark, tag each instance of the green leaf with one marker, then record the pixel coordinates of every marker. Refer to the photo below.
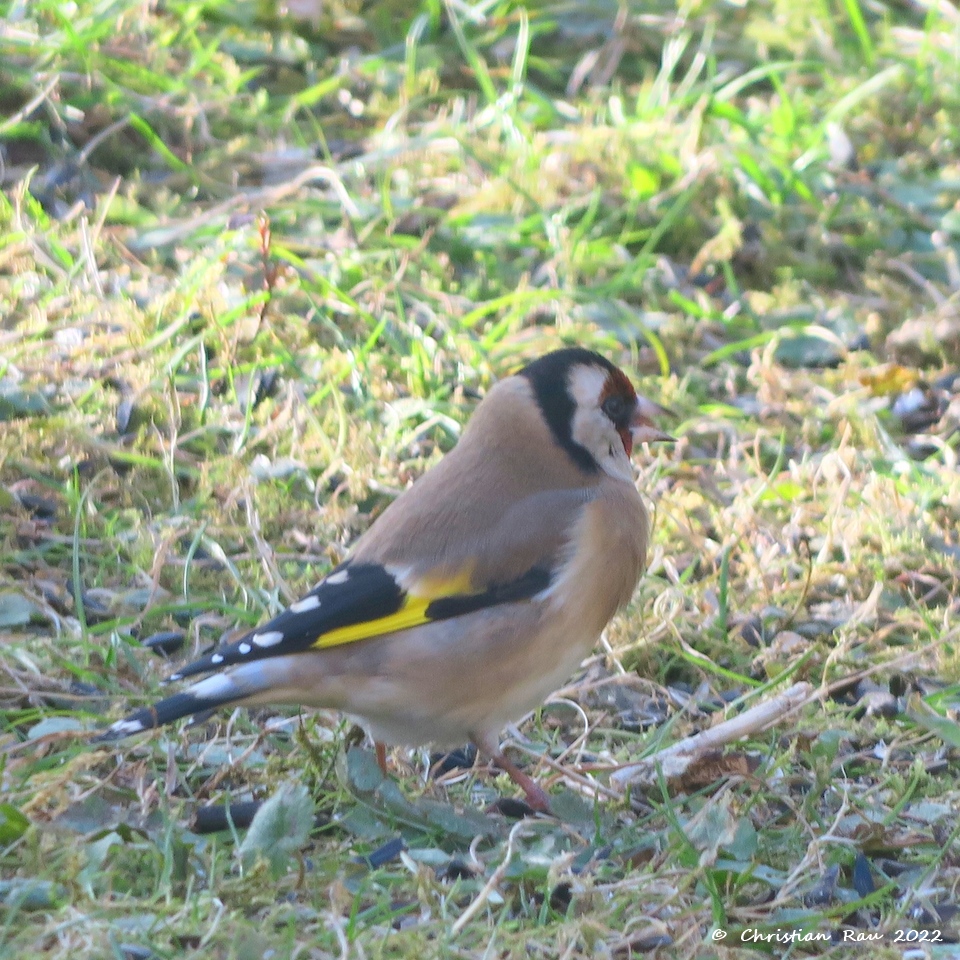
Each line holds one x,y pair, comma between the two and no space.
279,828
826,747
744,843
467,823
30,894
947,730
571,807
97,851
813,347
13,824
16,402
363,772
643,181
54,725
712,828
15,610
363,822
787,490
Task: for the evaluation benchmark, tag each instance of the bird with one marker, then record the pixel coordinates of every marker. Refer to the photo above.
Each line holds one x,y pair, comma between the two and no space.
478,591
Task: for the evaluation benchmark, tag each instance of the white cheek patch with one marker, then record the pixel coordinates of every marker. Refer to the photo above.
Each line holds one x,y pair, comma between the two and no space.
586,386
592,428
305,605
619,465
587,427
270,639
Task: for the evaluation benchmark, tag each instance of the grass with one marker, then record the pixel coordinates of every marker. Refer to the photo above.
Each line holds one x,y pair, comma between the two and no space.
255,272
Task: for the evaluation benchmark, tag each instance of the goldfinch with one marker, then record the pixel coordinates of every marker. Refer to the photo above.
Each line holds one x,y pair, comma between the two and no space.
478,591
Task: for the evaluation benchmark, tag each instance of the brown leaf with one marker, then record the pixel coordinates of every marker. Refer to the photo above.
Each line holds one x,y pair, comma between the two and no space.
712,767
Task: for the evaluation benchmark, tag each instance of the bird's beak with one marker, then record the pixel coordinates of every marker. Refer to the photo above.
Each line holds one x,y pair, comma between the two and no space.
642,427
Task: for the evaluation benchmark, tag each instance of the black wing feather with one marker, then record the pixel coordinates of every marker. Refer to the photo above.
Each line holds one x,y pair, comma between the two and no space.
529,585
367,592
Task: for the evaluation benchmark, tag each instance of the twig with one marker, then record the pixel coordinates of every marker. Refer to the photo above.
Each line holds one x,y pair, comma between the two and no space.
477,905
674,760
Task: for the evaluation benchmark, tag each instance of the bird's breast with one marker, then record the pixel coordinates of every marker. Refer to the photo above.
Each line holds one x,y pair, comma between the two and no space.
604,560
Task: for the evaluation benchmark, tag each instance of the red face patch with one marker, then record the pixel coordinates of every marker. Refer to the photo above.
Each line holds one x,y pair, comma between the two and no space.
618,382
618,387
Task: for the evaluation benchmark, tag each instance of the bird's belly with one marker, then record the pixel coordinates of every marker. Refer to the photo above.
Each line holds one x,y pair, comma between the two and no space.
429,687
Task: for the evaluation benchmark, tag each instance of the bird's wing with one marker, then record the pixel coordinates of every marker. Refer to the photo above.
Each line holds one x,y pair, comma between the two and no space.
363,598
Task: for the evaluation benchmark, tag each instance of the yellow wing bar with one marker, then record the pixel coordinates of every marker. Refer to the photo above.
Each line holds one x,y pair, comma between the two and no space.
413,610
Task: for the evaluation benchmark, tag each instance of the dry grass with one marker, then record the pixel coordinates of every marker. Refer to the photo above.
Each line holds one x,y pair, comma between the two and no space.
253,277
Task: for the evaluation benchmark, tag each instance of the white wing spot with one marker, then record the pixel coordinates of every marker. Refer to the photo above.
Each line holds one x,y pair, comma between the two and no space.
244,648
269,639
342,576
305,605
124,728
217,658
402,576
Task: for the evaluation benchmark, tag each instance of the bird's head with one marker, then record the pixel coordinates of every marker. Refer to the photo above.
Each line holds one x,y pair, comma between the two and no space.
592,409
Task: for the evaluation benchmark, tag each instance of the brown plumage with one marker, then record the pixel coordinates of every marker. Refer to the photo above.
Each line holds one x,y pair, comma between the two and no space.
479,590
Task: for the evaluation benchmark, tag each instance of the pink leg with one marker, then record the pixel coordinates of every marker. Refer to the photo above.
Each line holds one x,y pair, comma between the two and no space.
536,796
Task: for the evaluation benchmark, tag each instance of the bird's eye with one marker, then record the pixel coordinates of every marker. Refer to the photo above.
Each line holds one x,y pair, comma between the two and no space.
615,408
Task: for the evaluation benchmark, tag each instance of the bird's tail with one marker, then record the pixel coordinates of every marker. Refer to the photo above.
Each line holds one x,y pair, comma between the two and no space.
233,686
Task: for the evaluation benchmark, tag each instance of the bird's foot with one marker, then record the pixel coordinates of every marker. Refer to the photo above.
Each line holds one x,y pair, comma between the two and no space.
535,796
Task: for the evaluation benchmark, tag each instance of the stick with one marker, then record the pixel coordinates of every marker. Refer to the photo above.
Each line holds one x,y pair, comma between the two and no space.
674,760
